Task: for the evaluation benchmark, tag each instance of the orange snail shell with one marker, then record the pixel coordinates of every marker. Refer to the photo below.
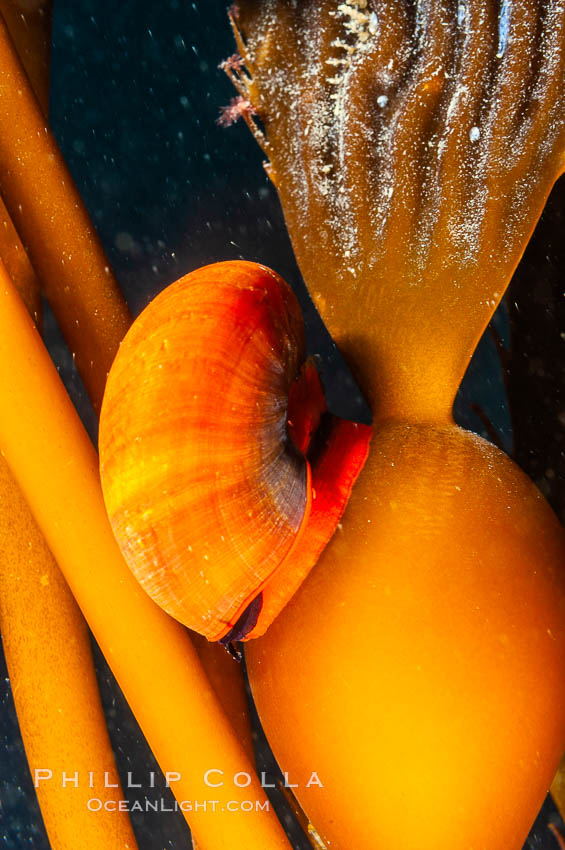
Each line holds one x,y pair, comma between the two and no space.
211,498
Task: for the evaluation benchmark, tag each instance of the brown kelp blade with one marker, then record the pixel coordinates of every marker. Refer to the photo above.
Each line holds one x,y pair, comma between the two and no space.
413,145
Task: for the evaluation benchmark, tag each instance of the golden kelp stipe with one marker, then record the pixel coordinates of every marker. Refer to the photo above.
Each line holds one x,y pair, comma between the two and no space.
44,636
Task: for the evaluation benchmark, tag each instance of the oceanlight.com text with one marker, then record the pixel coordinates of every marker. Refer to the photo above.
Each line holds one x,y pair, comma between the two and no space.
95,804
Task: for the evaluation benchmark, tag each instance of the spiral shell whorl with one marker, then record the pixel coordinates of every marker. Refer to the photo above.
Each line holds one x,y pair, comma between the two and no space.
204,489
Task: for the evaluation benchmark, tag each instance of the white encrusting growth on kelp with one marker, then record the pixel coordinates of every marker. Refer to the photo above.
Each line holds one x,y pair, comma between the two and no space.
400,120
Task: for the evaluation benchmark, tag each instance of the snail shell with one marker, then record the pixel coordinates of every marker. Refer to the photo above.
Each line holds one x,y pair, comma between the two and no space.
206,484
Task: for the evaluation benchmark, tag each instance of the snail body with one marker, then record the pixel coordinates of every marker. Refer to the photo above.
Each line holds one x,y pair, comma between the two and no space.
203,433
